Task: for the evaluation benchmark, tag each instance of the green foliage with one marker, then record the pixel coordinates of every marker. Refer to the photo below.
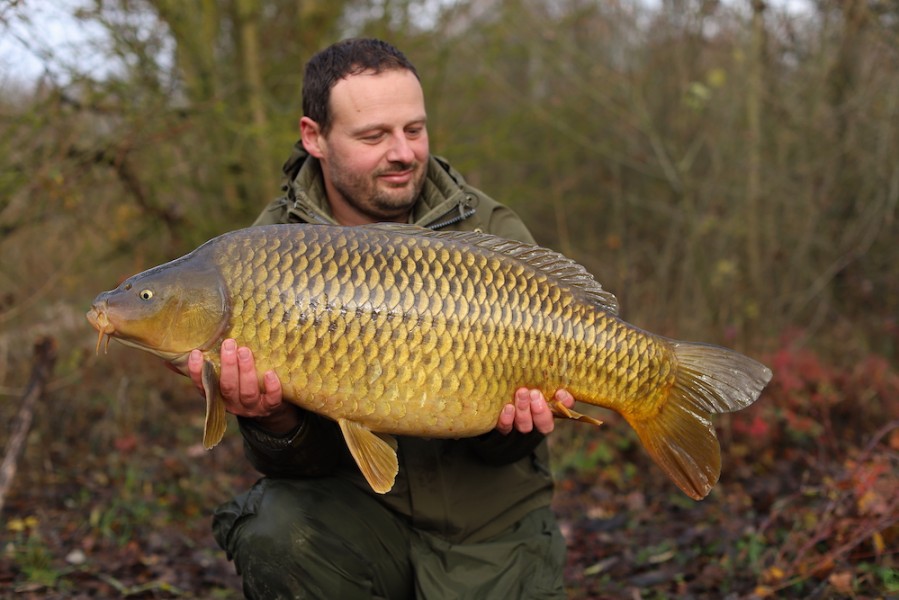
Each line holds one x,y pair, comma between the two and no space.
587,449
32,556
619,132
886,577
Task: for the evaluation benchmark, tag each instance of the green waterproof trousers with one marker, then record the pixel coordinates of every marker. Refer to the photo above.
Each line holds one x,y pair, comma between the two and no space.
326,538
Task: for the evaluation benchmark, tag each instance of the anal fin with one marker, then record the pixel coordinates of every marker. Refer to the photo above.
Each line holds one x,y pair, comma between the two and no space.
563,412
374,453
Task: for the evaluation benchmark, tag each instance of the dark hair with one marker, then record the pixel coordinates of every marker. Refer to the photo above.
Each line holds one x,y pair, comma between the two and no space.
347,57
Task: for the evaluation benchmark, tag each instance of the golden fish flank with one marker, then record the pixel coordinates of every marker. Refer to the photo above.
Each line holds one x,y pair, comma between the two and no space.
392,329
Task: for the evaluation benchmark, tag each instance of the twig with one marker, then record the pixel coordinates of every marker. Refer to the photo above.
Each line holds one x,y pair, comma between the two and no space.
42,367
824,529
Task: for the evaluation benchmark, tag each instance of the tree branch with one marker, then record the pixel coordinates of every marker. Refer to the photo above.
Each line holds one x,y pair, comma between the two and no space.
42,367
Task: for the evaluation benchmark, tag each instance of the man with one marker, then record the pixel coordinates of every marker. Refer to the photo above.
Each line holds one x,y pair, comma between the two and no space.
466,518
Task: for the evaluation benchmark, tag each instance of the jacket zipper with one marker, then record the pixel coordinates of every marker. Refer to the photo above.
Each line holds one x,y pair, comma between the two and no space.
465,211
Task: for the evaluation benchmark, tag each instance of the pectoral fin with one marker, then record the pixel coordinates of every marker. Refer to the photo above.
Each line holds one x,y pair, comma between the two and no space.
216,421
374,453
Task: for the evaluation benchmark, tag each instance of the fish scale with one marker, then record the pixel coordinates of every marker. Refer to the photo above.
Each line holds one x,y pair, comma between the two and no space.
395,330
384,283
333,343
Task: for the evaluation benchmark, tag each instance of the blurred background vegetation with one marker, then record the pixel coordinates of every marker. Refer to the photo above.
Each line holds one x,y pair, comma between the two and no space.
730,170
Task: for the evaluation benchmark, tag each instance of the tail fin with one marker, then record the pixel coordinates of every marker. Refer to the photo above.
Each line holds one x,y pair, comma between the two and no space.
680,437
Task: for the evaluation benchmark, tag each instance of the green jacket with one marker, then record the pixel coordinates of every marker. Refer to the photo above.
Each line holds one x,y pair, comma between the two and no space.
463,490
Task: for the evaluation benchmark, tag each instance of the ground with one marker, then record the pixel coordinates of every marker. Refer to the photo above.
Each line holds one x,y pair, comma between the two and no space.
113,499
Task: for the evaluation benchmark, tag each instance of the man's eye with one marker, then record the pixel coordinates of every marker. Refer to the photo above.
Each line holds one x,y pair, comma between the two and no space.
375,137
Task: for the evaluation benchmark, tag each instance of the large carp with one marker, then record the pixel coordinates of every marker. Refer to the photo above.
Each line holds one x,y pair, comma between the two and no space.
393,329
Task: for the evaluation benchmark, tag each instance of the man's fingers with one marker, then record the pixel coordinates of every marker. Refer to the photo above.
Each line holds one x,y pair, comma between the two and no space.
540,413
272,396
229,379
523,421
529,410
506,419
565,397
248,382
195,368
238,383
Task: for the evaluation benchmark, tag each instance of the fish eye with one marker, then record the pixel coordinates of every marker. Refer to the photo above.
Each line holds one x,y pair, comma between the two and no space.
146,294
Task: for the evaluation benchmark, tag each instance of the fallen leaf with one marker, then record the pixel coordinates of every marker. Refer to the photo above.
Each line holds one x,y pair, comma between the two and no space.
872,503
878,543
841,581
600,566
894,439
773,575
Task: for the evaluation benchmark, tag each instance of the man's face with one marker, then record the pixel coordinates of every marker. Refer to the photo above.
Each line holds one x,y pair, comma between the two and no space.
375,157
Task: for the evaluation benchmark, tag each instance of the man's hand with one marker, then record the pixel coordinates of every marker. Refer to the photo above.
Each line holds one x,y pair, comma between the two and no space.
530,411
239,387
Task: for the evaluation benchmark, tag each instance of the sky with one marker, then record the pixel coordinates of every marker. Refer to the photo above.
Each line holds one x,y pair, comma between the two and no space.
29,29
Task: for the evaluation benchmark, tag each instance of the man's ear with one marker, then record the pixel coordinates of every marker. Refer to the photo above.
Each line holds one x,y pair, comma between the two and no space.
313,140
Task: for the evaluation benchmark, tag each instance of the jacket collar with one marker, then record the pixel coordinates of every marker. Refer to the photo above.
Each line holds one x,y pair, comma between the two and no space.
442,202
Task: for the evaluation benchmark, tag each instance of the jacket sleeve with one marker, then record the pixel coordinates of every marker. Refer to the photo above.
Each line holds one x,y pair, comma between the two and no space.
311,449
494,448
505,223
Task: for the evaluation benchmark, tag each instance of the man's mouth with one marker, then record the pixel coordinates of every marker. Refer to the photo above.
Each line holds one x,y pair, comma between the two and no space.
399,173
397,177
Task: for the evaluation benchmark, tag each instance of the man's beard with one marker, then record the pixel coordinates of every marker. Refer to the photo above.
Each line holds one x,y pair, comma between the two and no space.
377,201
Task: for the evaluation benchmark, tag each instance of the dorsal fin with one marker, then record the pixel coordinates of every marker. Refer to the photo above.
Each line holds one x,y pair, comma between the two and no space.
559,267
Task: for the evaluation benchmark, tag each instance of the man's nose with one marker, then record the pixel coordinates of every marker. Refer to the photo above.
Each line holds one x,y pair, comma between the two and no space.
400,149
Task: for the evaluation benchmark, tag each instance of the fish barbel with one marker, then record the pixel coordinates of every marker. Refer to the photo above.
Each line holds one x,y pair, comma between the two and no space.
397,330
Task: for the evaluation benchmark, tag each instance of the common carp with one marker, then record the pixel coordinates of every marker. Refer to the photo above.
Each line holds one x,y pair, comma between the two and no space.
398,330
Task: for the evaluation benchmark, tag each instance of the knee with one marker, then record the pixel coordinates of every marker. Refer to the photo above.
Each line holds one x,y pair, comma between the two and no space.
269,539
313,539
276,527
261,536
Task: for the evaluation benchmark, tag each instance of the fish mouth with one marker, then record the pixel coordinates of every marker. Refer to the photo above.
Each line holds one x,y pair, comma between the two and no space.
99,318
